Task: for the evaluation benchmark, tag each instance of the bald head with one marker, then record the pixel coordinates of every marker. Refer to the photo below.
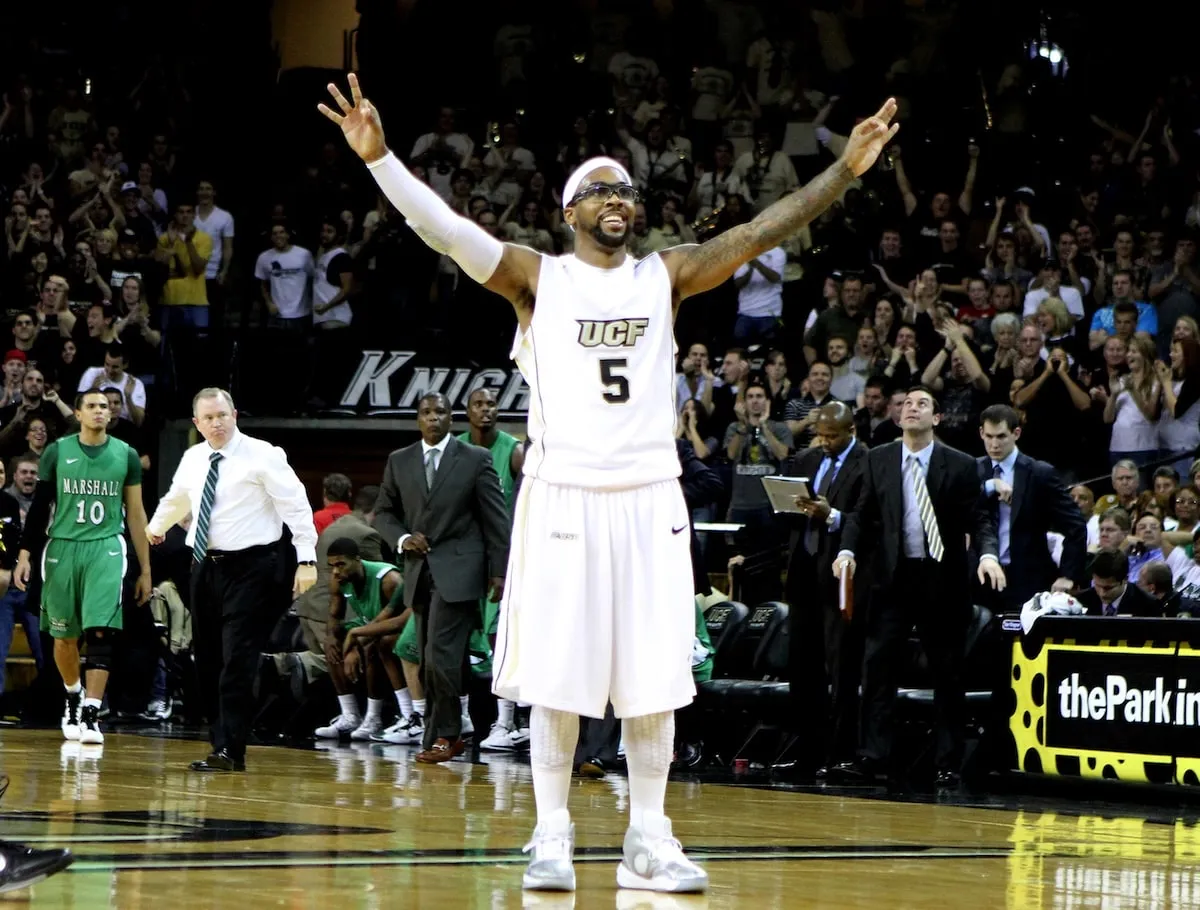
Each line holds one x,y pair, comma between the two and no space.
837,412
835,427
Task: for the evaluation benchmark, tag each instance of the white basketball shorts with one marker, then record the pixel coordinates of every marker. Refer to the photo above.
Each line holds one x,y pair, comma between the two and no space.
599,601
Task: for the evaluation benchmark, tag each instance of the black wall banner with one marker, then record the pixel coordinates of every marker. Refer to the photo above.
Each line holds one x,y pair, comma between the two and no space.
390,383
1116,710
1131,702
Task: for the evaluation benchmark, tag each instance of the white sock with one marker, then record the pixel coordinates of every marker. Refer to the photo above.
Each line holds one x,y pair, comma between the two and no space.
553,737
374,708
92,703
405,702
504,712
75,689
464,702
419,707
349,705
649,742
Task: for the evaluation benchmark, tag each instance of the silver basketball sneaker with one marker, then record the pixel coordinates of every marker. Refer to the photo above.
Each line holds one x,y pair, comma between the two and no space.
551,851
654,860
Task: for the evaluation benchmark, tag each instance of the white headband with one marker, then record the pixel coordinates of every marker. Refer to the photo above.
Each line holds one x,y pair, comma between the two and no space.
592,164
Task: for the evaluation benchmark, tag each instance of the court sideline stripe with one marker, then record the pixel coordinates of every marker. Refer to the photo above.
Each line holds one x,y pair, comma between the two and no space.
170,864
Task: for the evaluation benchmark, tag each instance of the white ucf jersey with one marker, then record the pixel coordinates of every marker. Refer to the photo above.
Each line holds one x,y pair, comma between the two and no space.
599,358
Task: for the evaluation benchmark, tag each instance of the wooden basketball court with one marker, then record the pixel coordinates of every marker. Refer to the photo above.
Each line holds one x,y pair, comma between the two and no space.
362,826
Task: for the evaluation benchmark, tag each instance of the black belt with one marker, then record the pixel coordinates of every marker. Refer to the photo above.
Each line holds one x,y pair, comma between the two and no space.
258,550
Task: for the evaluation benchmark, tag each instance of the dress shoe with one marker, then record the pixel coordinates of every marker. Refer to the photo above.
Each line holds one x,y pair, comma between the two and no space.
21,866
594,768
442,750
860,771
689,755
947,780
798,772
219,761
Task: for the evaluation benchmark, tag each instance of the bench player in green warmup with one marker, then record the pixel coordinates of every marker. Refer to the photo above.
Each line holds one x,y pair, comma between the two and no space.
95,485
375,591
508,456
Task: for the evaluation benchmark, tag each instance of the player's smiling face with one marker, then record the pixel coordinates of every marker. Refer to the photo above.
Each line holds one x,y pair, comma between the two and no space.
602,215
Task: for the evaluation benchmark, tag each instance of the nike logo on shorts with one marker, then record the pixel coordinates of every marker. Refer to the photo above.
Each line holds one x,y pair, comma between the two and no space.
114,552
72,460
678,530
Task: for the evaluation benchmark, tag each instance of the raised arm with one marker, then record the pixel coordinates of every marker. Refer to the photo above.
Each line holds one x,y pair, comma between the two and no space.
507,269
696,269
966,197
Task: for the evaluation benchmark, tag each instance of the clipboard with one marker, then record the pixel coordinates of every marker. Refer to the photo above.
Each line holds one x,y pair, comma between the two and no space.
782,492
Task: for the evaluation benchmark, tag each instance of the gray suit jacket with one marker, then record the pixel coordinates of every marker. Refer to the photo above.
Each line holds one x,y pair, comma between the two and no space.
463,517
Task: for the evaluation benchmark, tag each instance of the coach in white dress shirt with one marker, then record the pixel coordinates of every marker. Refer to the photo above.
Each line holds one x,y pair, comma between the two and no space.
240,492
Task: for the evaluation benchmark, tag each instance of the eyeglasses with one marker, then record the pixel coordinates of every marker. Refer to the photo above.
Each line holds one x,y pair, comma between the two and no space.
602,192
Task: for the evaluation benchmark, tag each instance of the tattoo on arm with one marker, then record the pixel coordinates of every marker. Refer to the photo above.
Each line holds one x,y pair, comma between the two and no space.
711,263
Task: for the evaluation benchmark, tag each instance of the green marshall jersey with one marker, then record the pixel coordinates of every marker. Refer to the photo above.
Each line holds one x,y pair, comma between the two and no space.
501,450
368,605
89,484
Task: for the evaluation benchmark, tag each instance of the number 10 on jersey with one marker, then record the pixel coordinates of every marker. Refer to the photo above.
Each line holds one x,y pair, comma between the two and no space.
94,514
616,389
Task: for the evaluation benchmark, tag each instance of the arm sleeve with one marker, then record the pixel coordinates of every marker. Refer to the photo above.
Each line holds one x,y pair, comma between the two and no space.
476,251
291,503
37,522
176,504
133,468
47,463
390,520
1189,394
1148,320
494,516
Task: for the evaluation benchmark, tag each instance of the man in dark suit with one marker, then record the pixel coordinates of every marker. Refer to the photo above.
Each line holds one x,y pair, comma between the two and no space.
920,503
1111,594
873,424
1029,500
826,648
440,502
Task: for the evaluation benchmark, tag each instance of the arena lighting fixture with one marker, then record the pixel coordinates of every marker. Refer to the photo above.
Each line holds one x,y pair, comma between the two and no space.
1042,47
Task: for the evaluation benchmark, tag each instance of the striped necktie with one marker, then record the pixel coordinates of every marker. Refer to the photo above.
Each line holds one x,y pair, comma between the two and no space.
200,547
933,537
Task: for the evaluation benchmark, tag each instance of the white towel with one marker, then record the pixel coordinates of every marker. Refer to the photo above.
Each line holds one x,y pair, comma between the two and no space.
1055,604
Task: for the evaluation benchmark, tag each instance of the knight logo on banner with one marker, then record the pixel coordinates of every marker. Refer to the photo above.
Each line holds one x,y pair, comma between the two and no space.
390,383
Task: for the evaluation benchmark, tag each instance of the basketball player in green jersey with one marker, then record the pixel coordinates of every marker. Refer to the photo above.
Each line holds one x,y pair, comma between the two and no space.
508,456
375,591
95,484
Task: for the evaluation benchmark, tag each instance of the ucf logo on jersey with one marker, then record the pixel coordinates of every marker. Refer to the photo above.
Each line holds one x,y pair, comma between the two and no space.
613,333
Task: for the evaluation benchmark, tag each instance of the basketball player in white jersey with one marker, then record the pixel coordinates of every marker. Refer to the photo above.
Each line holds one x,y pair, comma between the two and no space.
598,604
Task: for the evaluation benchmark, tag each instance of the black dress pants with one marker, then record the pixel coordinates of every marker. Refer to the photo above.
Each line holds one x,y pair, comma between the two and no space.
918,595
443,634
235,605
824,665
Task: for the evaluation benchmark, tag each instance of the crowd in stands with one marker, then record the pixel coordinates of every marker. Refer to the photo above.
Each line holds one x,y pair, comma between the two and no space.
971,259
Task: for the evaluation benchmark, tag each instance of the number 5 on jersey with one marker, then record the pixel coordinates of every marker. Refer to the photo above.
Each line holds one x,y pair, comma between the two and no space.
616,386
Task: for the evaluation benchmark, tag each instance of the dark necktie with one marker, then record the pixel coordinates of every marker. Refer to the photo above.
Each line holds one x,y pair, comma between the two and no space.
200,547
998,471
812,537
1110,609
431,466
